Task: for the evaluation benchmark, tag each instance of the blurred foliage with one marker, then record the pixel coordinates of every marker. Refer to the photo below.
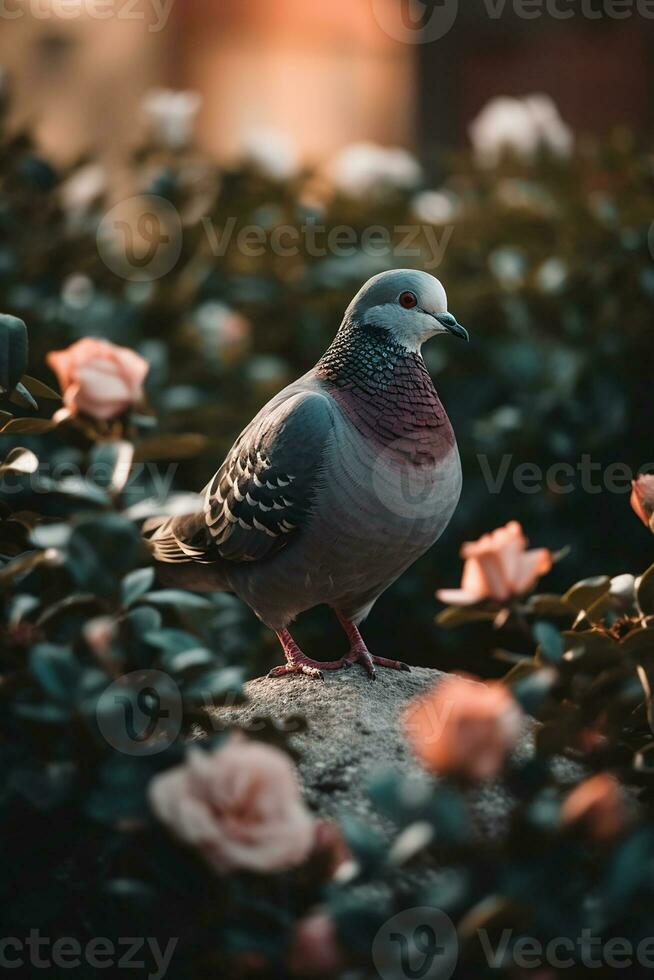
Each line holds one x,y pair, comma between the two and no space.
550,267
547,262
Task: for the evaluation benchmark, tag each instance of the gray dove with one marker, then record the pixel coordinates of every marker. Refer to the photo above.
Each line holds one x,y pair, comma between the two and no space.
342,480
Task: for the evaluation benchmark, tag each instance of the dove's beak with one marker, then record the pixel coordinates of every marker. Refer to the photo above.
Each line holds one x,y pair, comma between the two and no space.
453,326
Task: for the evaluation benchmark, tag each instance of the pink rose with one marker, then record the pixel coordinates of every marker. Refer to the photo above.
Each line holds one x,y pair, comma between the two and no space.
642,498
315,951
462,728
98,377
240,806
498,566
599,804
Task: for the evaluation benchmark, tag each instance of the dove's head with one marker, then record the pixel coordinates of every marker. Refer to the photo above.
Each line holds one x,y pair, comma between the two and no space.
409,305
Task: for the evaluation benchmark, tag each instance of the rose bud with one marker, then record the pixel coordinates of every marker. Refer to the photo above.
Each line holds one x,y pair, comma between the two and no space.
498,566
99,378
464,729
642,498
239,806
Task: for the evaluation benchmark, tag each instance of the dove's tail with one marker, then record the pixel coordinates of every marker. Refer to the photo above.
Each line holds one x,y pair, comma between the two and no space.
180,564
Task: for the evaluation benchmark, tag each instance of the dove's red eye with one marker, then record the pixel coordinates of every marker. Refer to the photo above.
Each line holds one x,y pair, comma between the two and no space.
408,300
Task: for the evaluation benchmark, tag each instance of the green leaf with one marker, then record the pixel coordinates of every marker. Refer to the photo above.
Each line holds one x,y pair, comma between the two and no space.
546,604
598,649
21,565
39,389
33,427
51,535
111,464
214,685
629,868
21,396
186,601
584,593
13,351
19,461
645,592
459,615
549,639
56,670
368,847
100,550
136,584
170,640
532,689
190,660
638,644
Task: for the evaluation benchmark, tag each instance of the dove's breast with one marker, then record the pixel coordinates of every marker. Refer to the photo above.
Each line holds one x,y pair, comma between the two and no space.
387,488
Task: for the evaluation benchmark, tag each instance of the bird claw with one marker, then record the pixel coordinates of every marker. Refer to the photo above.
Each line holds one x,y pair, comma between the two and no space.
368,661
391,664
297,668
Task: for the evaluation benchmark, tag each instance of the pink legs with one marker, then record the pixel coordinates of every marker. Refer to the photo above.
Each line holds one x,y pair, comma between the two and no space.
359,652
297,663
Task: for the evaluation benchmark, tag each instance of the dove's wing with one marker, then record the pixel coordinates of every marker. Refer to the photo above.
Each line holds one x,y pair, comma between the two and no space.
261,496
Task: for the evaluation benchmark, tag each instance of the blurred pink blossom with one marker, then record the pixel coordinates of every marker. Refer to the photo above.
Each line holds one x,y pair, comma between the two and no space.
240,806
498,566
464,728
99,378
642,498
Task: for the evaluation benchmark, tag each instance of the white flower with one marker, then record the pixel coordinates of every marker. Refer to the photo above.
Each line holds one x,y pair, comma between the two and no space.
171,116
77,291
84,187
508,265
272,152
552,275
366,168
522,125
436,207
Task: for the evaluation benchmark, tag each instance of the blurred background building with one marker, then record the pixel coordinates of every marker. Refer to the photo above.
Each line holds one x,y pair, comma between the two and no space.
325,74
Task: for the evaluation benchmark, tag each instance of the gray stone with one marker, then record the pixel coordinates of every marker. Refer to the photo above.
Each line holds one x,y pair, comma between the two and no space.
353,730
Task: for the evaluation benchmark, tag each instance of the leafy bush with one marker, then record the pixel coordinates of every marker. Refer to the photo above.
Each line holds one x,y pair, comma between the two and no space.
549,266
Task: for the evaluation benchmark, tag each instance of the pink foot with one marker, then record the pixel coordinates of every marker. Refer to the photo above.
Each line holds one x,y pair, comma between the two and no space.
361,655
359,652
297,663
